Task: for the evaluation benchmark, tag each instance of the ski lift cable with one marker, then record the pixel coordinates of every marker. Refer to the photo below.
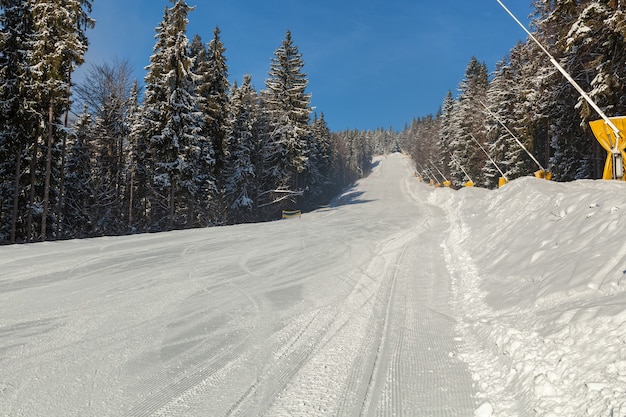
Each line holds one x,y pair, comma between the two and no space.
489,156
514,137
578,88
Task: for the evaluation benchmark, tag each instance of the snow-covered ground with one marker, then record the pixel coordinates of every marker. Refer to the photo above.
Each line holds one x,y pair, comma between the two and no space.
539,272
401,299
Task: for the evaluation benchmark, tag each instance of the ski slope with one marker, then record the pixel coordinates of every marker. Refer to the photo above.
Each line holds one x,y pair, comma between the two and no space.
401,299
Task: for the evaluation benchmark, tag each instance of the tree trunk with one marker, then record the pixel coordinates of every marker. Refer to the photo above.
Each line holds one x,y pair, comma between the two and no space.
171,207
61,202
16,194
31,197
46,192
130,197
191,209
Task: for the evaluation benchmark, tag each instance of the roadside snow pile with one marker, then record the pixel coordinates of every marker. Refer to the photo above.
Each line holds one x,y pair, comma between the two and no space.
539,273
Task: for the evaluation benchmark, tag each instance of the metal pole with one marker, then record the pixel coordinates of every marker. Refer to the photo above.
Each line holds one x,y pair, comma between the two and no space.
582,92
440,173
490,158
514,137
423,170
461,166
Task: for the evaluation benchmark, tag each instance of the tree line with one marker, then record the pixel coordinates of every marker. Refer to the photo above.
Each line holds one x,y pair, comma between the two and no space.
188,150
191,150
528,96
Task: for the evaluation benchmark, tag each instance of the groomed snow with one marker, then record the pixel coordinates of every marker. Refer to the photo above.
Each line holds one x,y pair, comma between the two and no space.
401,299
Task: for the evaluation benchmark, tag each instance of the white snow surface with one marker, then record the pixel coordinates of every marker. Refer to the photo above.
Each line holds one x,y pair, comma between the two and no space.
539,276
401,299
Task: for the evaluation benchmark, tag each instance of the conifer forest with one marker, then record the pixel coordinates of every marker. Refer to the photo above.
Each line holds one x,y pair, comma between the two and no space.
186,148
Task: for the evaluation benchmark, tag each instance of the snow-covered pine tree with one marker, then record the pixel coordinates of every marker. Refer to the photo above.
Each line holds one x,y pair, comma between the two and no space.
467,120
289,112
425,134
320,156
213,89
172,120
138,165
198,53
81,208
241,175
19,118
128,166
567,139
587,37
508,98
446,132
501,98
535,78
148,123
539,82
59,44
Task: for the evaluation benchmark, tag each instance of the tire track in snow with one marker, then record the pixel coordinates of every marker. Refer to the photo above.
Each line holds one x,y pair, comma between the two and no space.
417,371
317,385
189,387
287,361
381,361
163,397
302,353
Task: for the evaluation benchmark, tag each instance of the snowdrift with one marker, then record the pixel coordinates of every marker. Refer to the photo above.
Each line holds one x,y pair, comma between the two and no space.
539,273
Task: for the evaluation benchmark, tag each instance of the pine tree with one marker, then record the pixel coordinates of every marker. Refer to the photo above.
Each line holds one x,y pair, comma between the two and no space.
180,157
446,133
320,155
19,117
60,44
508,99
240,173
289,113
81,208
139,167
595,53
468,121
213,89
42,41
501,147
198,53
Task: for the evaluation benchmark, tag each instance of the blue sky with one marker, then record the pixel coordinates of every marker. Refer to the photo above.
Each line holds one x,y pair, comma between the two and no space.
369,63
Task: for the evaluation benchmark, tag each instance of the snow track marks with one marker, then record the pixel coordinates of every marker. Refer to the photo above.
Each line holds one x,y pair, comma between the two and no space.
342,313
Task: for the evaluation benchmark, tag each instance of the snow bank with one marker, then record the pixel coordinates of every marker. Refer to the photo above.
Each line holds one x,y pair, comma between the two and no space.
540,281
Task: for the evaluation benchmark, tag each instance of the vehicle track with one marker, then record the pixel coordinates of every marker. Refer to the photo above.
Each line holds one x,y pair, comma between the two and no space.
418,371
381,361
173,391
